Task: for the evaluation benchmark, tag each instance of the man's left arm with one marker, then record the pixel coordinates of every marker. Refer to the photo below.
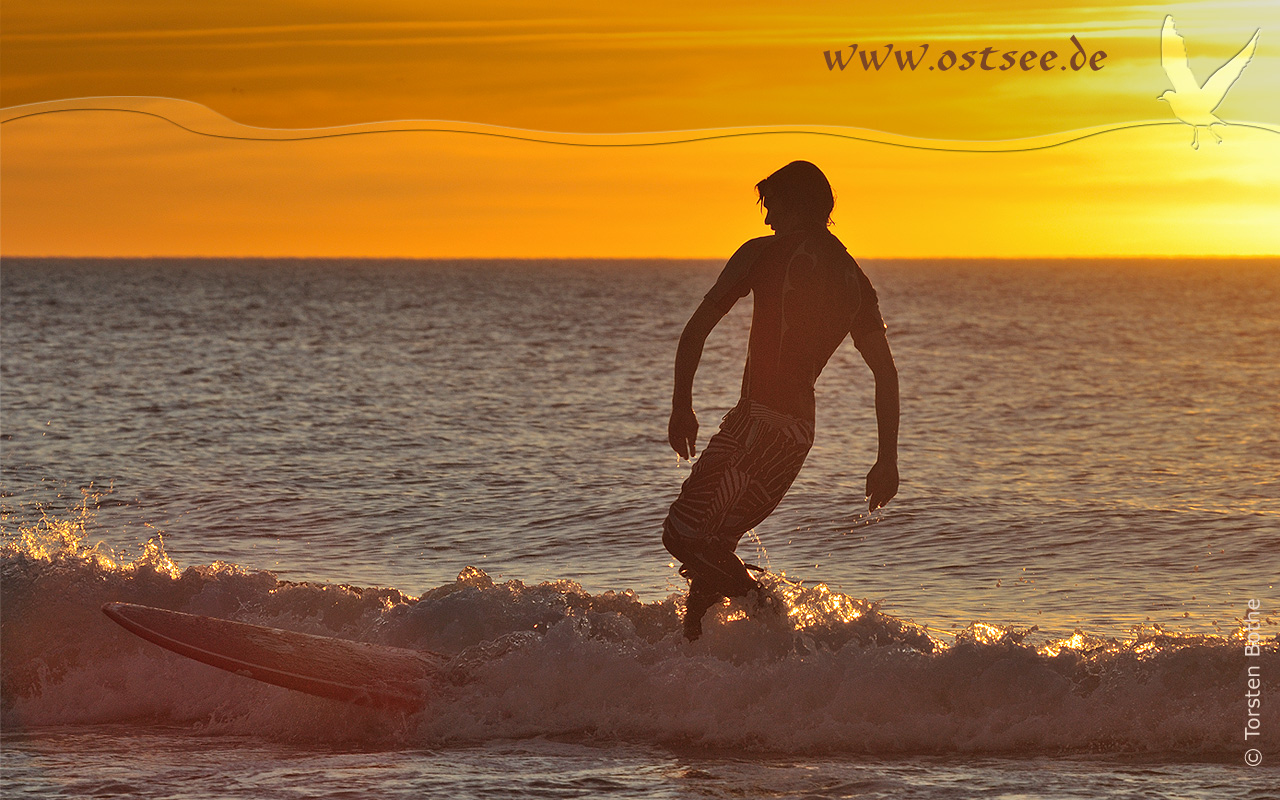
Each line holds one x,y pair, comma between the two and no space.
882,480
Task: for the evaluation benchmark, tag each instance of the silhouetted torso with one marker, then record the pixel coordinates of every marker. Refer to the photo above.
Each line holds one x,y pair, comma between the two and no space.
809,294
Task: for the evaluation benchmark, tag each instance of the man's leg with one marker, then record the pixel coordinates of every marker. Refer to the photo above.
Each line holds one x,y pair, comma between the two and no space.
714,573
742,475
713,565
690,530
700,599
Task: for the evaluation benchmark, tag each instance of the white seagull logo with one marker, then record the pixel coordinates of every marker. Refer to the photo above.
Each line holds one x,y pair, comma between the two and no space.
1191,102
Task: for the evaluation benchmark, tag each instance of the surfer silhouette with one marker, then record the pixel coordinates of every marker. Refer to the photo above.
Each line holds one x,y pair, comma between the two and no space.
809,294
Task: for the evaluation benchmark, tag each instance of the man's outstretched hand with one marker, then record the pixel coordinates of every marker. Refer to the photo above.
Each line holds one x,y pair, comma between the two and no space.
682,433
882,484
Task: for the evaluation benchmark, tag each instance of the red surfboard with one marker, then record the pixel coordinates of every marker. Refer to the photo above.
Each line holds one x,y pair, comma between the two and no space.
354,672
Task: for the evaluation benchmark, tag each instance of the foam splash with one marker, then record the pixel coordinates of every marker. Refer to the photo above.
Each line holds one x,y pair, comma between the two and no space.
53,538
836,675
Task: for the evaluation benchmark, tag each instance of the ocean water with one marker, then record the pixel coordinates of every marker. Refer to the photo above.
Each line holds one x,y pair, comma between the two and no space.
470,458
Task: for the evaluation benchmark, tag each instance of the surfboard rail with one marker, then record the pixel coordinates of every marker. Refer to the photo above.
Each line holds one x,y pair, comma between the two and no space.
339,669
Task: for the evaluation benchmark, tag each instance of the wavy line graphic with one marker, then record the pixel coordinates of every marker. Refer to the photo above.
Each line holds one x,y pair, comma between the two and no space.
204,121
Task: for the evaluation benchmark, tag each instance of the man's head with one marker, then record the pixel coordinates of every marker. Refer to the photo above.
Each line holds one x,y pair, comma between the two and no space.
798,195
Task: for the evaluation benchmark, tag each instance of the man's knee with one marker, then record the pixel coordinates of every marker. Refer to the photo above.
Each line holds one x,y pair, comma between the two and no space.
718,568
676,544
689,551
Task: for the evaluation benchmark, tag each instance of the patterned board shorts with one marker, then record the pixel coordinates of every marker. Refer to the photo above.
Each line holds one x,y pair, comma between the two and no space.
740,477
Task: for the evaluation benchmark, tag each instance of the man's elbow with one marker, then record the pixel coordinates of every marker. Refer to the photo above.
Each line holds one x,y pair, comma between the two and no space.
875,352
883,364
693,336
700,325
885,372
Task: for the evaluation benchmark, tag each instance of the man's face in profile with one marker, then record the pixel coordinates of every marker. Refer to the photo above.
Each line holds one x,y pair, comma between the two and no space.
780,218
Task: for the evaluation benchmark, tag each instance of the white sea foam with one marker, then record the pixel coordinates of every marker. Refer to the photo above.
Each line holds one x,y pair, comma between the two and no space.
551,660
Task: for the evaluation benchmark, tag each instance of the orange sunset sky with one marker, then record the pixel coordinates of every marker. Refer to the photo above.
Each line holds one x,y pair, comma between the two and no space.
115,183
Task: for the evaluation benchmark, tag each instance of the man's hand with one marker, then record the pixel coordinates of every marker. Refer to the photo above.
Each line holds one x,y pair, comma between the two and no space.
882,484
682,433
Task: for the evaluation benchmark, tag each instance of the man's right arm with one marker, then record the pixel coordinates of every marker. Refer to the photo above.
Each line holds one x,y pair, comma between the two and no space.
733,284
682,429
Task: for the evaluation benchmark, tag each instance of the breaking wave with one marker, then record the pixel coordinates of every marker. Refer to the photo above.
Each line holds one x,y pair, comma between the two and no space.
551,660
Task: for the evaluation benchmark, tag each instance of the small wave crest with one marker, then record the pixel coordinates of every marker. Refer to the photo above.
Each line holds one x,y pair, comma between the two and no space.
551,660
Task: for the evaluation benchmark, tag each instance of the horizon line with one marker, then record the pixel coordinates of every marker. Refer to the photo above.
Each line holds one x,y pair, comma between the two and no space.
190,257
